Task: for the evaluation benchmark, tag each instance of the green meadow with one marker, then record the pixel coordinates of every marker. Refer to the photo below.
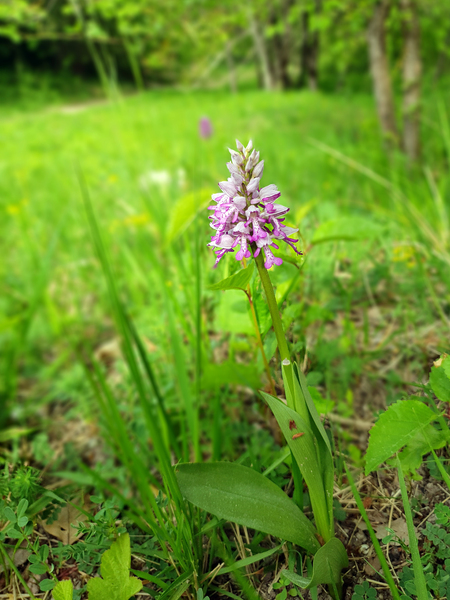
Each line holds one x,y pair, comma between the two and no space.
374,234
110,333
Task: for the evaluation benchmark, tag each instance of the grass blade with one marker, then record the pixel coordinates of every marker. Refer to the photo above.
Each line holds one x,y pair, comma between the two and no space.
376,544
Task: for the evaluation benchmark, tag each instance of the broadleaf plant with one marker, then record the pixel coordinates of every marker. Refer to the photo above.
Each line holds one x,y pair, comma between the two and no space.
116,582
405,423
247,215
240,494
63,590
412,429
440,378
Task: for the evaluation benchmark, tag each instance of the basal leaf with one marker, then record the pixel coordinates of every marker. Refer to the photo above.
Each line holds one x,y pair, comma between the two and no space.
327,566
115,569
238,281
301,441
242,495
63,590
395,428
312,407
440,381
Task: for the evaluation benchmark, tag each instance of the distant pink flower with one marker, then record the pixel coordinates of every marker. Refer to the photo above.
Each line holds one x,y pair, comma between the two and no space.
246,215
205,128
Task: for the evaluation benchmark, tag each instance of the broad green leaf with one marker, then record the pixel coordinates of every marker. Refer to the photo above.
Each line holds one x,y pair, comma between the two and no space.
304,450
440,382
327,566
9,514
115,569
395,428
446,366
63,590
22,508
238,281
46,585
346,228
422,443
242,495
38,569
184,211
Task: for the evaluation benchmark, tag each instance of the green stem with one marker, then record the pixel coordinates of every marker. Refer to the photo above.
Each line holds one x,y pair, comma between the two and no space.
260,342
442,471
16,571
283,348
419,576
376,544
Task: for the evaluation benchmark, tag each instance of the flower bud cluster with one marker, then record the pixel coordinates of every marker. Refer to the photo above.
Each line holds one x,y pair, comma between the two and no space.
246,214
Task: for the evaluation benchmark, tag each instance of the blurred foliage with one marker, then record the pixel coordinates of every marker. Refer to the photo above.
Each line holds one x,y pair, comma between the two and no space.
198,41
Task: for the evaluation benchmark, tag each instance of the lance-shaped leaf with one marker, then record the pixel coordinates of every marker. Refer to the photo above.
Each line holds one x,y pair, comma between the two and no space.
314,415
304,449
327,566
395,428
238,281
242,495
323,443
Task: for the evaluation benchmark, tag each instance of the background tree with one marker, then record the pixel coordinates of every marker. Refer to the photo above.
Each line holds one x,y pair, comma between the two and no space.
379,67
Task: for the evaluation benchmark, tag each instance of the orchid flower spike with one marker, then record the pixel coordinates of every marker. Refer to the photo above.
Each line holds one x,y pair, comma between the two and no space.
245,214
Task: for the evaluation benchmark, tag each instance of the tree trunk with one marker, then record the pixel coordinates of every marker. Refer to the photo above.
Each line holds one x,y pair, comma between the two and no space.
231,68
261,51
309,53
379,67
412,70
282,44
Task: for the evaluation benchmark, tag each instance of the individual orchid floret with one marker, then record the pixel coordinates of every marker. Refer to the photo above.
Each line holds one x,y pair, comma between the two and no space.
258,170
236,157
246,215
270,258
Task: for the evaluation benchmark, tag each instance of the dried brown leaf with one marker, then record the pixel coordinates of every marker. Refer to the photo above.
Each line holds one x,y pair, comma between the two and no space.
64,528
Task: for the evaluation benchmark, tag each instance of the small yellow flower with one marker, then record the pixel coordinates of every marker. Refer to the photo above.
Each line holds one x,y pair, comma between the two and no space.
405,254
15,209
136,220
